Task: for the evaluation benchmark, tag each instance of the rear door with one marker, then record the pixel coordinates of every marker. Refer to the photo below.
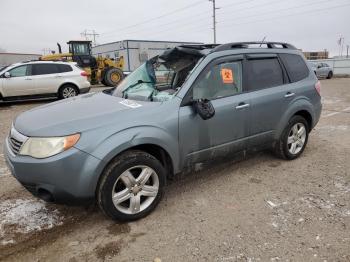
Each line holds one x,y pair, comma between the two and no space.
46,77
269,97
20,83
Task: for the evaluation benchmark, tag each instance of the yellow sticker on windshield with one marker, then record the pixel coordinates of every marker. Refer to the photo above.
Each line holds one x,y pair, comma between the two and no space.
227,75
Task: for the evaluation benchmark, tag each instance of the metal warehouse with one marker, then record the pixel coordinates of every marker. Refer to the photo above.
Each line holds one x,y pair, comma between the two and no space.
10,58
134,52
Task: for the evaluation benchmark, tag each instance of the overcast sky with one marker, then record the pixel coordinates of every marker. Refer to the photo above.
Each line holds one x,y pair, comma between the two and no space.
30,26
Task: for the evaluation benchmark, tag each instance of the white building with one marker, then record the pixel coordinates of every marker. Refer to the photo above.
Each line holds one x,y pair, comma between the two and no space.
11,58
134,52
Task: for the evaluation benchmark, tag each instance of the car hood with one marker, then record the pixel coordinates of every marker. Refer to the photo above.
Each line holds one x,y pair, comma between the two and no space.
78,114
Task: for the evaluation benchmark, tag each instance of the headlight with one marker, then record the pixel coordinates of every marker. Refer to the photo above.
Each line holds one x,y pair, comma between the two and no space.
42,147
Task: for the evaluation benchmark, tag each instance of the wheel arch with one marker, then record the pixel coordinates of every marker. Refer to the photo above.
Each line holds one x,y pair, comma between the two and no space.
307,116
301,107
155,150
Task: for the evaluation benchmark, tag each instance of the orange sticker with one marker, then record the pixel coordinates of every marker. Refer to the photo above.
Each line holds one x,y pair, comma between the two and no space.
227,76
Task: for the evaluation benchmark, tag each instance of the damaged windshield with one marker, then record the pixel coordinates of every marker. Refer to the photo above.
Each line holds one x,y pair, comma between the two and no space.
159,78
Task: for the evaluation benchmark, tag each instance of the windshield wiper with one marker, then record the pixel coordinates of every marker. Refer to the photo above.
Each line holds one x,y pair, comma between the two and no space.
133,85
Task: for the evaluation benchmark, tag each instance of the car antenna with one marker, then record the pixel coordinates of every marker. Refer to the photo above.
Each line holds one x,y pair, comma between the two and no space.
262,41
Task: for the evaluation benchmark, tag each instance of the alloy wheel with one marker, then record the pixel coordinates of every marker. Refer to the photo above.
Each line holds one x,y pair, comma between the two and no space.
135,189
296,138
69,92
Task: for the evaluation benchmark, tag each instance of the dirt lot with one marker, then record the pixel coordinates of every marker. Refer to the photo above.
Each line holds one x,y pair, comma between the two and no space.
259,209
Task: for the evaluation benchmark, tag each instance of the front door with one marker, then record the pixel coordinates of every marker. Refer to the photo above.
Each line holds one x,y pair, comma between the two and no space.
226,131
20,82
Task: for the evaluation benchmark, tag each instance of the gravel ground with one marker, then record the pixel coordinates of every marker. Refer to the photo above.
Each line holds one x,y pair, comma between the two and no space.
258,209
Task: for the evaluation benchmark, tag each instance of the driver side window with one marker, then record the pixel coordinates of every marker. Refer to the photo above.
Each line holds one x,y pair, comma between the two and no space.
221,80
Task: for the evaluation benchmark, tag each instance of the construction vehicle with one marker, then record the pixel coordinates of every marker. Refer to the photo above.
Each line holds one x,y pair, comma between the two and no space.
99,69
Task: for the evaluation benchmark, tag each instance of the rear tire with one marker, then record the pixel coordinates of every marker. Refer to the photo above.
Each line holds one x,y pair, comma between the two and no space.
67,91
123,193
113,76
330,75
293,139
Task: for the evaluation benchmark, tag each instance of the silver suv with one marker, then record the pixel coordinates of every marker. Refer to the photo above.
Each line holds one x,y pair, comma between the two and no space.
120,146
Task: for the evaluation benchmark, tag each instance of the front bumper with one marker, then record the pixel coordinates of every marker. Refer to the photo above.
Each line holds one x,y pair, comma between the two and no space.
69,177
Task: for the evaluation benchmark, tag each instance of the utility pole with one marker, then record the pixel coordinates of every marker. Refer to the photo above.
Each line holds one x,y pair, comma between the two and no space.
341,45
214,19
93,33
347,51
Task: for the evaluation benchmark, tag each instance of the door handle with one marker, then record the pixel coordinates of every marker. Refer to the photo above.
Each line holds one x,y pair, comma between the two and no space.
28,79
58,76
242,105
289,94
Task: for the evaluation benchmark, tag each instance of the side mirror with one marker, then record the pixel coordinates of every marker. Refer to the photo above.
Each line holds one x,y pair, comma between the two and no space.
204,108
7,75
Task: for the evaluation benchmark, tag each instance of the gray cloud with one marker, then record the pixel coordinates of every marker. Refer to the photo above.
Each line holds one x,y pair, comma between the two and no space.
30,26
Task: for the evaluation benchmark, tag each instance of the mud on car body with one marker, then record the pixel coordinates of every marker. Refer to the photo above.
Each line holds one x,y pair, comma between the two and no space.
176,110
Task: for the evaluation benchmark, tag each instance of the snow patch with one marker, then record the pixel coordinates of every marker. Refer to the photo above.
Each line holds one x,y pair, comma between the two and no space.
330,101
25,216
331,128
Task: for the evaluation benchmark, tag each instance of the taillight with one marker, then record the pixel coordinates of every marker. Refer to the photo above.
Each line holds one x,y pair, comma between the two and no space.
83,73
318,87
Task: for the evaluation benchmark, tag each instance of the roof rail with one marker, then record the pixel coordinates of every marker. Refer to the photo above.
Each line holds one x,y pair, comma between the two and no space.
239,45
199,46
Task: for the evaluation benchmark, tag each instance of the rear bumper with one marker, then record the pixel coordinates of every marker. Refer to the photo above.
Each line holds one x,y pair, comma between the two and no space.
317,114
69,177
85,90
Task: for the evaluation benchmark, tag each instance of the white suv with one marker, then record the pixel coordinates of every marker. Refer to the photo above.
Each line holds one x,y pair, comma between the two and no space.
40,79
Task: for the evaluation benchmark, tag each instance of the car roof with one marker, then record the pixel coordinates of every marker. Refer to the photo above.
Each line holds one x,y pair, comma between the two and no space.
40,62
46,62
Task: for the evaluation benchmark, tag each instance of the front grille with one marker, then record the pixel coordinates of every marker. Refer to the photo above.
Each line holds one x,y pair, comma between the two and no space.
15,145
15,141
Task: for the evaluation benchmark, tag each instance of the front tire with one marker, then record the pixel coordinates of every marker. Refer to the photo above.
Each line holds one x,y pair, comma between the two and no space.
293,139
131,186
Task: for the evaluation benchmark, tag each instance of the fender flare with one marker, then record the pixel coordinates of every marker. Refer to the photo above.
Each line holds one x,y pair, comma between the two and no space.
132,137
301,104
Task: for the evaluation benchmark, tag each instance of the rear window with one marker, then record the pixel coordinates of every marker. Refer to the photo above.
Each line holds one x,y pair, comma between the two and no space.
64,68
264,73
296,67
45,69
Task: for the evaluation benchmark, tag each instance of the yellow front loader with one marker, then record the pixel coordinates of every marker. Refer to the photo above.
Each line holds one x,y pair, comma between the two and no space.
100,69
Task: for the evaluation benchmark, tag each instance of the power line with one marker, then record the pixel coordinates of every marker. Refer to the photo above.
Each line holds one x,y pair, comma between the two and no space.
178,22
248,7
181,21
155,18
278,17
86,34
235,18
279,10
236,4
273,18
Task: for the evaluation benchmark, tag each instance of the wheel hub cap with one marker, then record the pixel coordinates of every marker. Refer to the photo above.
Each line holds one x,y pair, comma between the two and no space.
136,189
